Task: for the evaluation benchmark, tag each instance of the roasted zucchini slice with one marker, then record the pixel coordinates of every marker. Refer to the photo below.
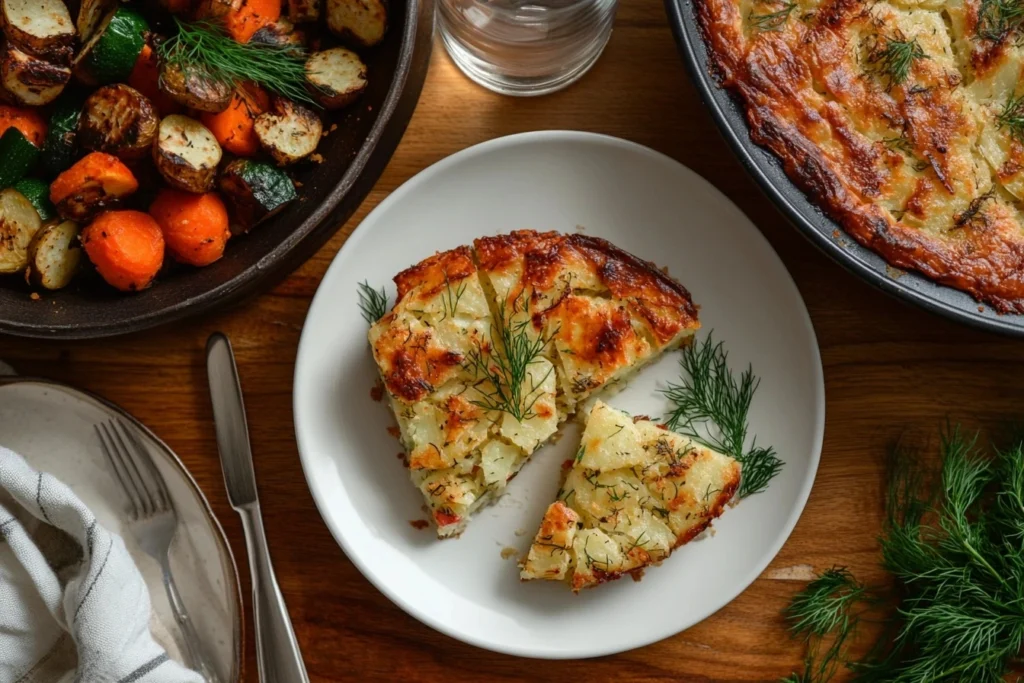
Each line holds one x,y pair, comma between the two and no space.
255,190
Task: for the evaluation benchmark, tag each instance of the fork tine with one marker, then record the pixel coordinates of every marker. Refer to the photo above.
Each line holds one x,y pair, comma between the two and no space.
118,465
162,497
148,502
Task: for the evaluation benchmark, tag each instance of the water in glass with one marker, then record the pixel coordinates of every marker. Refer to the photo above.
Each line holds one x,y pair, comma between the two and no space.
525,47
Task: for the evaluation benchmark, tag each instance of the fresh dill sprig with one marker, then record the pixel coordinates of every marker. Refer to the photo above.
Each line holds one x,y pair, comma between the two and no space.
373,303
451,297
205,50
894,58
710,405
505,363
999,18
771,21
825,614
1012,117
954,541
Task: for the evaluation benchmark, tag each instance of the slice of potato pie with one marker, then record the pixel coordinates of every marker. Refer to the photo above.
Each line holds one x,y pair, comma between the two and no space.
488,350
634,493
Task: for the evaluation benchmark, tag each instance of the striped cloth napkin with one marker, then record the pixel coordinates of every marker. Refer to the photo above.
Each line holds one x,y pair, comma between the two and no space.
73,606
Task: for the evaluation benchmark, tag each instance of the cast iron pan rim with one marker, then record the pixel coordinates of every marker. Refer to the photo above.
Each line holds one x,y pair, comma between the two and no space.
365,169
818,228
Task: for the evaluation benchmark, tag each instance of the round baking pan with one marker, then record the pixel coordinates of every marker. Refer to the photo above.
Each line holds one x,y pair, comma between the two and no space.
728,113
359,144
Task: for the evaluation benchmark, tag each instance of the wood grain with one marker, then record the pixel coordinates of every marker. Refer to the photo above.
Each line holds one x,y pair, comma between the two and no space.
890,370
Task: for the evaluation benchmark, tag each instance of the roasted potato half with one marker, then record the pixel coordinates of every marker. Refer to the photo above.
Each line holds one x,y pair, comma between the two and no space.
281,33
19,223
337,76
54,255
186,154
360,21
288,132
119,120
214,9
29,80
194,89
40,27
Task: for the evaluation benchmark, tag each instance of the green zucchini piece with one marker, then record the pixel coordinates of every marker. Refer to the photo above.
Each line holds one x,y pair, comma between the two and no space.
37,192
110,55
19,155
60,146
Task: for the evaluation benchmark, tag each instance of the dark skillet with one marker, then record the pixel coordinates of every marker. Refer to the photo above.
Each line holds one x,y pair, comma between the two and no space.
355,155
823,232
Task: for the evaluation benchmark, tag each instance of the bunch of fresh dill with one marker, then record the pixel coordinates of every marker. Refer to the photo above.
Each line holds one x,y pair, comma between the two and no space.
954,542
203,49
711,405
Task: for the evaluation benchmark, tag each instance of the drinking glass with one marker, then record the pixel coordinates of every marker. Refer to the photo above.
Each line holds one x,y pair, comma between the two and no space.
525,47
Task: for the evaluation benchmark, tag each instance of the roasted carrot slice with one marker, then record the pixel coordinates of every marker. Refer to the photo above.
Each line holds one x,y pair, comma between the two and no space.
250,17
94,183
28,121
145,78
195,226
233,127
126,247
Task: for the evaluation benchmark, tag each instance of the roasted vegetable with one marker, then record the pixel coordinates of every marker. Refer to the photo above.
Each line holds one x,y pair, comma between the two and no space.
54,255
126,247
186,154
60,146
38,194
30,80
96,182
289,132
216,9
18,156
41,27
194,89
337,76
91,15
250,17
255,190
281,32
195,226
234,127
19,223
28,121
145,77
360,21
303,11
118,119
110,55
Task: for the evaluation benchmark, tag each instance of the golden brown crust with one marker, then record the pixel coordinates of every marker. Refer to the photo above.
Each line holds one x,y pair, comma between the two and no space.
431,275
813,98
411,362
664,304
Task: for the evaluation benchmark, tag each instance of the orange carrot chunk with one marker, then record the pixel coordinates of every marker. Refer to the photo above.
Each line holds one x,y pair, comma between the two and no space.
195,226
126,247
250,17
234,127
94,183
28,121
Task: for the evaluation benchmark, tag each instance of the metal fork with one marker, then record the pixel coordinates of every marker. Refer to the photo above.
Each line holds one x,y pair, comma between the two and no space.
154,521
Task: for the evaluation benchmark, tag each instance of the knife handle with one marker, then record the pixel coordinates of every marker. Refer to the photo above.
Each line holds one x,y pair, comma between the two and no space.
277,651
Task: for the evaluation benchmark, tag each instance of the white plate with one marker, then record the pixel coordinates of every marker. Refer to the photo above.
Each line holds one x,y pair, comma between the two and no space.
649,205
51,426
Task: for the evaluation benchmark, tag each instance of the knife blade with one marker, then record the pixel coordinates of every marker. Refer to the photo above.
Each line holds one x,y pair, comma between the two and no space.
229,421
278,657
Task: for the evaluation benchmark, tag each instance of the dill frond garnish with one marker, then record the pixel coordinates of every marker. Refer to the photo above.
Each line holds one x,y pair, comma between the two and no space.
373,303
504,365
450,298
954,541
894,57
1012,117
771,21
710,405
205,50
997,19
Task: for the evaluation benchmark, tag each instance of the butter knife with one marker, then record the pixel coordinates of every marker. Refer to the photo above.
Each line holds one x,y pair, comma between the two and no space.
277,651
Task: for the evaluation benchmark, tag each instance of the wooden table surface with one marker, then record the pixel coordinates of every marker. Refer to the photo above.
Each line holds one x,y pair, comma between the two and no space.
889,370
